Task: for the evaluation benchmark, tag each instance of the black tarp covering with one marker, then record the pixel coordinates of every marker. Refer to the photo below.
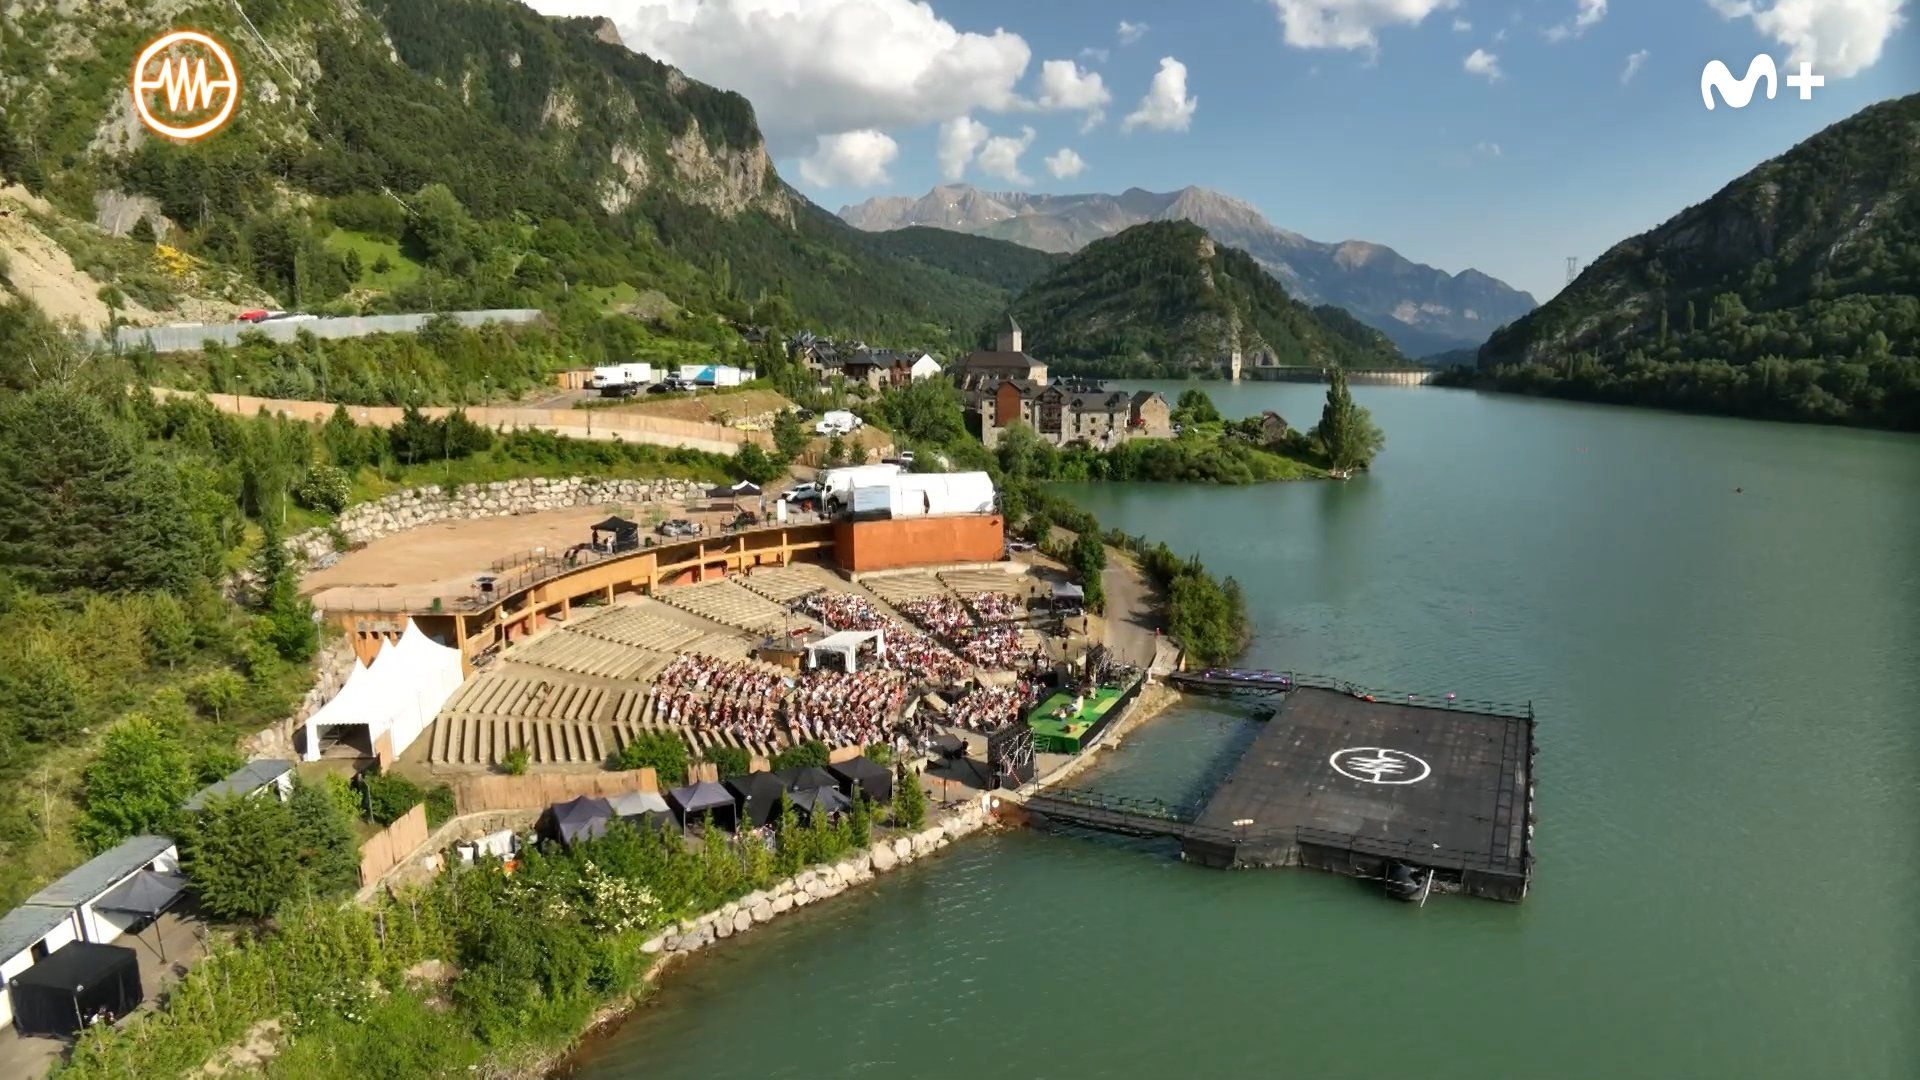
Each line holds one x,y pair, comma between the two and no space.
147,892
806,776
866,776
948,745
759,796
57,995
650,821
621,534
582,818
705,797
810,801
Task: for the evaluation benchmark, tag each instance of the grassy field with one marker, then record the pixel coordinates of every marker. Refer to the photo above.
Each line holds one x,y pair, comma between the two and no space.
404,271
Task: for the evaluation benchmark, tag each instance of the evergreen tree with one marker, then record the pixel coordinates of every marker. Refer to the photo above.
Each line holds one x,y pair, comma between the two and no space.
324,841
909,802
42,694
169,630
242,856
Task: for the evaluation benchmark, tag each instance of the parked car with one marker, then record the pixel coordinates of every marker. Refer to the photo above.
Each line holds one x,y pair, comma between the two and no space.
678,527
1019,545
255,315
801,493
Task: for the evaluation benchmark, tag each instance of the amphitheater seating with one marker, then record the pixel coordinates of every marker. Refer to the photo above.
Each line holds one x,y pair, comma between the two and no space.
638,626
582,654
726,602
785,584
965,582
899,588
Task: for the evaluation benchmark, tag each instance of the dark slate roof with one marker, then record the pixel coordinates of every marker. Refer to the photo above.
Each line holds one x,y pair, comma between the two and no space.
26,924
255,775
997,359
103,871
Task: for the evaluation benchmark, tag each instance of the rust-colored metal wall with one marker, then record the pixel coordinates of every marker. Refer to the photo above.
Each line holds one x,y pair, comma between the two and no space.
860,546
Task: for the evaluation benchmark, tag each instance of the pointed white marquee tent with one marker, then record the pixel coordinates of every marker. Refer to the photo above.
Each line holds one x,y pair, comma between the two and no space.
397,695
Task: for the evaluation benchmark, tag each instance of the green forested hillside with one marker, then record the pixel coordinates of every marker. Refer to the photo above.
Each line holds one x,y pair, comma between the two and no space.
516,159
1164,299
1793,293
996,262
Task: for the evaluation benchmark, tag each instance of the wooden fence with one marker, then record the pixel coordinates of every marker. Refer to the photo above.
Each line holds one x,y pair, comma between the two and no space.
393,844
487,793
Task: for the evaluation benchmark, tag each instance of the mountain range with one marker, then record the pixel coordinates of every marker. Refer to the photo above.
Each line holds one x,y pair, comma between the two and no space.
1423,309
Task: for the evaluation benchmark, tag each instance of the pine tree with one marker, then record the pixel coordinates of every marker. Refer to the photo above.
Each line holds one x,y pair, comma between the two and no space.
324,841
909,802
1346,431
135,784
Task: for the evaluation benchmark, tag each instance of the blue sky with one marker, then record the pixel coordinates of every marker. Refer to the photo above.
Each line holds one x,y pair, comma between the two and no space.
1339,119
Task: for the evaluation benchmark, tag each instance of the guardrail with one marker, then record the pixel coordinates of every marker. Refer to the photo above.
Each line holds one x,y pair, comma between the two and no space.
1296,679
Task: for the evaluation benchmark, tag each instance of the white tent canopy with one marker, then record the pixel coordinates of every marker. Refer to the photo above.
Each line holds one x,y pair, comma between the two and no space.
398,695
847,643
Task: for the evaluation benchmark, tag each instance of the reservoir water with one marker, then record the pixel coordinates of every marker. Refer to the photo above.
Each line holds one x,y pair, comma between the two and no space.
1718,622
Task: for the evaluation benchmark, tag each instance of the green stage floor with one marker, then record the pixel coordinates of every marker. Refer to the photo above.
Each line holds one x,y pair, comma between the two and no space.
1063,735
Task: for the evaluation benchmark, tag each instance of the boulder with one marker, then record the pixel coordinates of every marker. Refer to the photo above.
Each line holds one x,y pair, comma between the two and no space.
743,921
883,858
903,849
783,903
723,928
762,911
653,945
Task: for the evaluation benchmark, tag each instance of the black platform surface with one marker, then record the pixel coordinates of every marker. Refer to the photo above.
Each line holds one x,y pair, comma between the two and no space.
1442,787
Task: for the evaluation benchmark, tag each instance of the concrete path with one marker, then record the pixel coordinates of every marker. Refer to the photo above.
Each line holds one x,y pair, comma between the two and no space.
1132,614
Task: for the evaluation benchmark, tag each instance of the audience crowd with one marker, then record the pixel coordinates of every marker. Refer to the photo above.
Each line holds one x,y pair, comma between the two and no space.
842,710
986,708
995,607
908,649
733,696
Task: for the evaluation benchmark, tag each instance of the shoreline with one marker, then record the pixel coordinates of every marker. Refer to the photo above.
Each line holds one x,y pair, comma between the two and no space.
675,945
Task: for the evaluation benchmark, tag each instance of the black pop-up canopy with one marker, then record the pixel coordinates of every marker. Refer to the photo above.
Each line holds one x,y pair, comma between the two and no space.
582,818
80,980
824,800
864,776
705,797
759,796
948,745
621,534
806,776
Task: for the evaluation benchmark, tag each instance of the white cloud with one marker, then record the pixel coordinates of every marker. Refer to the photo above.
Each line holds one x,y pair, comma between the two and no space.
1635,61
1130,32
1349,24
1482,62
1490,149
1589,14
1460,25
960,139
1500,35
1063,85
849,159
1839,37
1064,164
1095,54
1000,156
820,67
1166,106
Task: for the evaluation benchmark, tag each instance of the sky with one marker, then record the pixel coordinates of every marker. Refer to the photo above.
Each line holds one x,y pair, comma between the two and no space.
1503,135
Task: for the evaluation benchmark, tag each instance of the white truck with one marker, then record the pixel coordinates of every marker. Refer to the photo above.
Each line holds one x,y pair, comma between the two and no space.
837,422
910,495
622,380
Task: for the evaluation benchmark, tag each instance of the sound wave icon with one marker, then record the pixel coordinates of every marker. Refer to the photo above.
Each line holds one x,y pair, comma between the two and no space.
187,87
185,84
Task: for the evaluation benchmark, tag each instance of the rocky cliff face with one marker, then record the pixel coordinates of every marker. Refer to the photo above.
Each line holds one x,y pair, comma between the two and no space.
1423,309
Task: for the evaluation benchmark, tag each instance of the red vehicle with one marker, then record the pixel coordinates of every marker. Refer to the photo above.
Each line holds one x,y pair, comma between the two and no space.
256,315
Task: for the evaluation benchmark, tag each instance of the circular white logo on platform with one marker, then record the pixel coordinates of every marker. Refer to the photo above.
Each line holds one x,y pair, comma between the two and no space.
1379,765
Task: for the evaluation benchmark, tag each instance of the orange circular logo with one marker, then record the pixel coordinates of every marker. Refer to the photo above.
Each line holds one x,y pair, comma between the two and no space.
189,86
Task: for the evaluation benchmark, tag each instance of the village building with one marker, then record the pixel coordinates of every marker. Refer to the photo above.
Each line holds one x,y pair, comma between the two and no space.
982,372
1090,412
273,775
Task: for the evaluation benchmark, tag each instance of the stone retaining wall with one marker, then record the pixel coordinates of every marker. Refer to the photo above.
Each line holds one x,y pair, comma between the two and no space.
814,884
414,507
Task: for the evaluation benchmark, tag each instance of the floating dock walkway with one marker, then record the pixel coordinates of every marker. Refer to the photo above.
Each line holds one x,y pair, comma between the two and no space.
1352,781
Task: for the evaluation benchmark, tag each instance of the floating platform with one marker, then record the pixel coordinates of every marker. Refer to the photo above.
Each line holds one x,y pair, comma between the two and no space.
1067,732
1350,781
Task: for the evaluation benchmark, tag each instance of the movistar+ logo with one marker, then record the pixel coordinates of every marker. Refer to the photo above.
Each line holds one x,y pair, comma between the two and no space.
1716,76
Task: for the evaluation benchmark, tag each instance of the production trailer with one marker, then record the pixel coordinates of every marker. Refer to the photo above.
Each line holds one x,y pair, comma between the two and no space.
836,485
622,380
